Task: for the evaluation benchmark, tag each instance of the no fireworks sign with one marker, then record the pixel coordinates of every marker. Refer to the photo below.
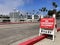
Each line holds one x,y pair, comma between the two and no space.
47,23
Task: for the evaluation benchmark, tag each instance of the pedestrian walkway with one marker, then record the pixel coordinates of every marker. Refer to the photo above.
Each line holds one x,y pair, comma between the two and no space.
50,42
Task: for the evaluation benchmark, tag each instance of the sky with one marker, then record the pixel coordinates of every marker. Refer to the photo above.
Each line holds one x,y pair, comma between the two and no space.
7,6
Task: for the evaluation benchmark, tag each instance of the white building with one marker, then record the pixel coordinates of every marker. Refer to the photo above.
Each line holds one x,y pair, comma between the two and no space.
14,16
4,18
32,18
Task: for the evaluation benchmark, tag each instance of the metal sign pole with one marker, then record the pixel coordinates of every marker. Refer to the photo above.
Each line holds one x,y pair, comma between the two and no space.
54,30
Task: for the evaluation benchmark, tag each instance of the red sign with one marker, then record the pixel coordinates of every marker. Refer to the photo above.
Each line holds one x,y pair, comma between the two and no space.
47,23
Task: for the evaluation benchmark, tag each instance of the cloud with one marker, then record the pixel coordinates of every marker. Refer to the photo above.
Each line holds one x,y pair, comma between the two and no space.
7,6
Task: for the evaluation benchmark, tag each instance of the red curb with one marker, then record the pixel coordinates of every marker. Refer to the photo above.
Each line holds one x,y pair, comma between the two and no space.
34,40
58,29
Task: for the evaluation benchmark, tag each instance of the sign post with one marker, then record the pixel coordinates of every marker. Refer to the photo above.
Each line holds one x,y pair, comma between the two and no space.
47,26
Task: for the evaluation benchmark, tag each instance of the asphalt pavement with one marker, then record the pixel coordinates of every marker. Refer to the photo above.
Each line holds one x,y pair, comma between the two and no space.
10,33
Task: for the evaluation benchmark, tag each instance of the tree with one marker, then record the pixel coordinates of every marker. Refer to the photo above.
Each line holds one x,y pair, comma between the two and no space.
40,10
37,12
33,11
27,13
50,12
43,9
54,7
58,14
54,4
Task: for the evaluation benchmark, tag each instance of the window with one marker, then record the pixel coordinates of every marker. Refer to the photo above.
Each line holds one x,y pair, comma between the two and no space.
29,17
36,16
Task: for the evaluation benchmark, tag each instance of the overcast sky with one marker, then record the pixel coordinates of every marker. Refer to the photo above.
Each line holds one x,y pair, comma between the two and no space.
7,6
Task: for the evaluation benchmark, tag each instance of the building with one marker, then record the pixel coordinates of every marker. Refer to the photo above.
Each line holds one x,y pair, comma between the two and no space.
14,16
32,18
17,17
4,18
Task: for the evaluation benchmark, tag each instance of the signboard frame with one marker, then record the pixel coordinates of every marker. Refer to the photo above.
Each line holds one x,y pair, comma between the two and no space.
48,30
